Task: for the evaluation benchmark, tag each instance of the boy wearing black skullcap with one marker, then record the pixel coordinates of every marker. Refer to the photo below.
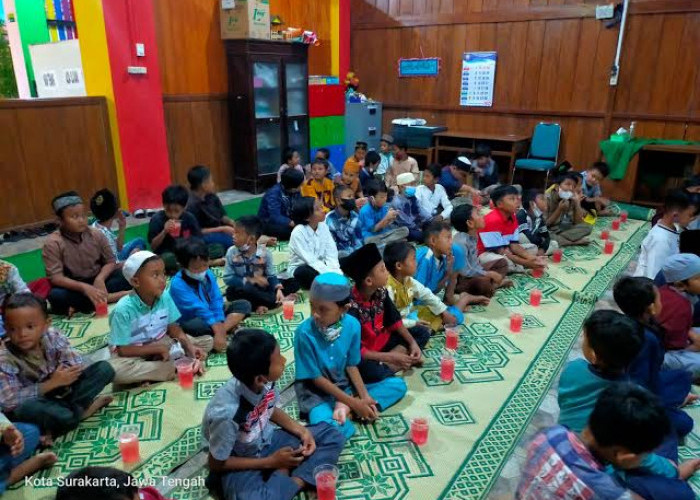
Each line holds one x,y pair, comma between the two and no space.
387,346
105,208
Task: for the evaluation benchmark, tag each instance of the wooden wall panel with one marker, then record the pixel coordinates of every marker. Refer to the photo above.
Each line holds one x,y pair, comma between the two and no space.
198,131
41,156
554,60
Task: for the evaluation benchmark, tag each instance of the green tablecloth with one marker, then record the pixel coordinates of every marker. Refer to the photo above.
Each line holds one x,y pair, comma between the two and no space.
619,154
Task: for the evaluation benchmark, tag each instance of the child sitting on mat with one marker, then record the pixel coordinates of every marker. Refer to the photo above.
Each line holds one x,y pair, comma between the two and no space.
386,154
411,214
276,205
104,483
565,215
167,226
485,168
105,208
416,302
377,219
626,424
10,282
592,192
682,341
370,169
439,263
328,385
144,335
43,380
323,154
319,186
402,163
249,272
196,294
499,237
351,181
534,233
312,250
256,451
344,223
387,345
474,278
205,205
292,161
640,300
17,460
79,261
432,196
355,162
455,179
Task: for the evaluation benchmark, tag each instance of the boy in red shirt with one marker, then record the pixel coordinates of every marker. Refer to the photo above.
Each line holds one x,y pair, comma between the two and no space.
499,237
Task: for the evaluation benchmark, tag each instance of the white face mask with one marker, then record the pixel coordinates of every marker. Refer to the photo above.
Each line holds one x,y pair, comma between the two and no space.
197,276
330,333
565,195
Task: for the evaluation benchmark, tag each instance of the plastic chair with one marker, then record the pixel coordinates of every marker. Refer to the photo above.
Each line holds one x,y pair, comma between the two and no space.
544,150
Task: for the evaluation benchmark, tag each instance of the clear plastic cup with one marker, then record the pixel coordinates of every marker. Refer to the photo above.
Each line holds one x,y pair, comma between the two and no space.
185,372
326,481
129,443
419,430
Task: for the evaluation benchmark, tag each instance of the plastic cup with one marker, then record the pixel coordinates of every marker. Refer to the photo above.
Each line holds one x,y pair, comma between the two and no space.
447,368
556,256
615,225
288,310
623,216
516,322
174,230
419,430
451,339
326,481
609,247
605,234
537,273
535,297
185,372
129,443
101,309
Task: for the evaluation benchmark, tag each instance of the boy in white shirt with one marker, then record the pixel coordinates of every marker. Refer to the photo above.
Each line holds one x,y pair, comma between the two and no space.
663,239
431,196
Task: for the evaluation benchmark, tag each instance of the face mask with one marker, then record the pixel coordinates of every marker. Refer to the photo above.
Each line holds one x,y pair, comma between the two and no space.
330,333
536,211
349,205
202,277
566,195
411,191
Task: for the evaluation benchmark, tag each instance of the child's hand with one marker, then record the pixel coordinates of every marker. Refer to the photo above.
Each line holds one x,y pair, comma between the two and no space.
260,281
448,319
308,444
690,399
688,468
279,296
400,361
365,409
14,440
286,458
66,375
95,295
121,220
414,351
163,352
169,224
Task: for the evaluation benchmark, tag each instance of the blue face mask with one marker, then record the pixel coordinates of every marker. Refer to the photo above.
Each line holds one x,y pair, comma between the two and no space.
411,191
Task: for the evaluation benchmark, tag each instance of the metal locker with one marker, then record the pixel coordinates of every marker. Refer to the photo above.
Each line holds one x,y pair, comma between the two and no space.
363,122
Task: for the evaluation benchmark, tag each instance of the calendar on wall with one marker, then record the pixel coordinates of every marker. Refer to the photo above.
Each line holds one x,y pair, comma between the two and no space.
478,76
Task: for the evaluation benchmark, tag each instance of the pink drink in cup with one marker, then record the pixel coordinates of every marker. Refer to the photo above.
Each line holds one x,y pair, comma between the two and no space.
185,372
174,230
288,310
535,297
326,481
101,309
537,272
129,443
451,339
623,216
419,431
447,368
616,224
556,256
609,247
516,322
605,234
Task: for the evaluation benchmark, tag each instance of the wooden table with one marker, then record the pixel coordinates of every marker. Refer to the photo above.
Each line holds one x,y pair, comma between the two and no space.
626,189
504,145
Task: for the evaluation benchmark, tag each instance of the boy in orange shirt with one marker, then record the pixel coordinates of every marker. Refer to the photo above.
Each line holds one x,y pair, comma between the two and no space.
356,161
320,186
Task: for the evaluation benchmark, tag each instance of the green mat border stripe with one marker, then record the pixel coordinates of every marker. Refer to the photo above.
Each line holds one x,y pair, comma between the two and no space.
481,467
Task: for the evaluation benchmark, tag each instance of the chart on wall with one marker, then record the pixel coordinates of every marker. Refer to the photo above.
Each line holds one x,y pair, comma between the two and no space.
478,76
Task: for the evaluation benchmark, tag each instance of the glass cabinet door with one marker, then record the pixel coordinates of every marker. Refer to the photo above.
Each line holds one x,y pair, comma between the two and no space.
298,136
266,85
269,144
296,88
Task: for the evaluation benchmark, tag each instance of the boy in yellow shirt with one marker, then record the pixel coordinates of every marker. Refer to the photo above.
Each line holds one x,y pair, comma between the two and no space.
320,186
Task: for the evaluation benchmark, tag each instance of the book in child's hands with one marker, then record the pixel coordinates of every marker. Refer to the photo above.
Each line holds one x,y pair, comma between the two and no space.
494,239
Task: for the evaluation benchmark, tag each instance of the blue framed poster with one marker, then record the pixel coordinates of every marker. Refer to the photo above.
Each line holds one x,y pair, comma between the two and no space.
429,66
478,77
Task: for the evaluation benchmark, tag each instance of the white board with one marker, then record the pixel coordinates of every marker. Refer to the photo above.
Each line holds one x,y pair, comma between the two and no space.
58,69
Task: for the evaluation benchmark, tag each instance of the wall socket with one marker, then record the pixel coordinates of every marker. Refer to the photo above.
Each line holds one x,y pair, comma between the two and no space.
140,50
137,70
604,11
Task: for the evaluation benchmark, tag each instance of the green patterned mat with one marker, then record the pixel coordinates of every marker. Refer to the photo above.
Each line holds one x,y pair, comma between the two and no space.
501,378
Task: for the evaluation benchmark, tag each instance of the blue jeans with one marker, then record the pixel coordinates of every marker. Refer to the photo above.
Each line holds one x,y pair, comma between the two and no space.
223,239
30,433
129,247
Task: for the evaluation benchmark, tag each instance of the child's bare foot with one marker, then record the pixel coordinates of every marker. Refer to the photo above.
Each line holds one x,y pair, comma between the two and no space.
220,343
217,262
71,312
32,465
291,296
99,403
506,283
341,412
688,468
481,300
690,399
261,310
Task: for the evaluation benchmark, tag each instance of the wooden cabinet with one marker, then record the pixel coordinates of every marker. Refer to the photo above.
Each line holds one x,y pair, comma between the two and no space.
268,90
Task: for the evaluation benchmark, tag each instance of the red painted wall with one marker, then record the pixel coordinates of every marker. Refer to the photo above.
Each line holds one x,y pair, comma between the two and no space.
138,100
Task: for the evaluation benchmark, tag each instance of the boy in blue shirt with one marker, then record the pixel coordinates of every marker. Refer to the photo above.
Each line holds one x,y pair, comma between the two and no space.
327,353
276,205
344,223
249,458
196,293
454,178
377,220
592,193
105,207
144,334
